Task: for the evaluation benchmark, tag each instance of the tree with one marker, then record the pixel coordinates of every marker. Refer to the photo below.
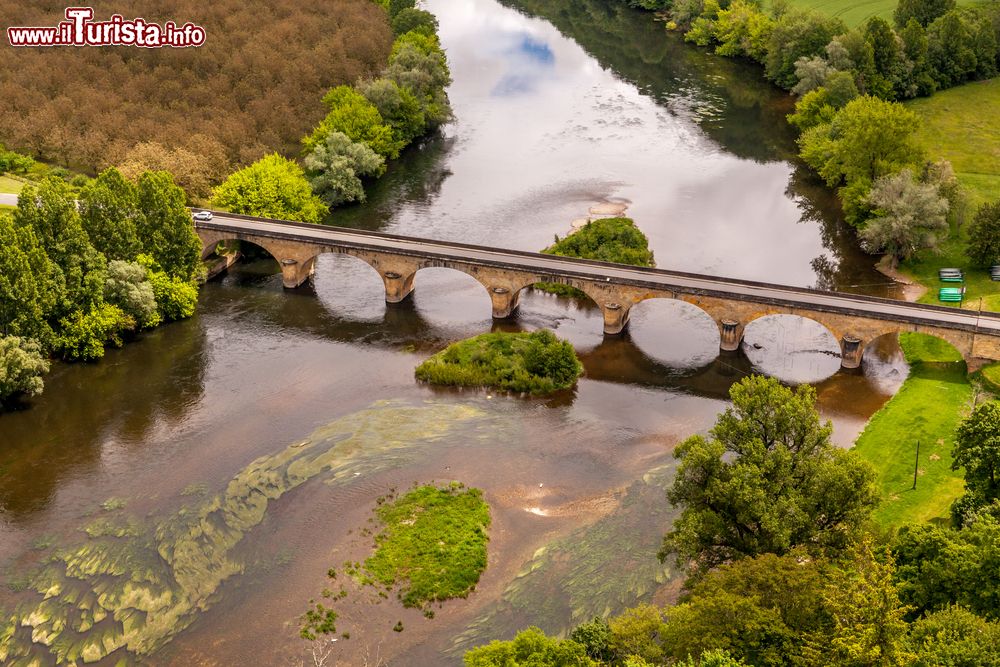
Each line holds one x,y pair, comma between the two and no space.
819,106
196,166
767,480
922,11
977,451
909,216
335,169
955,636
26,291
109,208
14,163
127,287
415,20
529,647
398,107
950,52
760,610
811,74
272,187
887,58
396,6
795,35
984,236
938,566
418,65
915,48
83,334
49,210
353,115
21,368
638,632
165,228
175,298
742,29
869,625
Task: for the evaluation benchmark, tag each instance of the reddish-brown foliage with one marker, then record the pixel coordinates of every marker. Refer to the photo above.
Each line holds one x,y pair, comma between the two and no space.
254,87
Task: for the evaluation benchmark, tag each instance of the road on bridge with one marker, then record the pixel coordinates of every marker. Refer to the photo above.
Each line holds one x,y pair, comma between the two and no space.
834,302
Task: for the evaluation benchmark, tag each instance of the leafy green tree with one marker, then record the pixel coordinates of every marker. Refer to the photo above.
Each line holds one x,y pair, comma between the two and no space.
530,648
164,224
984,236
27,295
398,107
335,169
955,637
109,208
909,216
272,187
977,451
175,298
595,637
950,49
819,106
922,11
14,163
638,632
742,29
128,287
887,58
353,115
21,368
915,47
767,480
938,566
811,74
84,334
713,658
869,625
795,35
761,610
49,209
396,6
415,20
418,65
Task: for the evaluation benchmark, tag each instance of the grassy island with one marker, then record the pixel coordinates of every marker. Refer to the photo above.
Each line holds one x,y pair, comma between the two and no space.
615,240
433,542
533,363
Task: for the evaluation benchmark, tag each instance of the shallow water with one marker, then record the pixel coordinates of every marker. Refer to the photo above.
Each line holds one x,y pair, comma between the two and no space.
216,469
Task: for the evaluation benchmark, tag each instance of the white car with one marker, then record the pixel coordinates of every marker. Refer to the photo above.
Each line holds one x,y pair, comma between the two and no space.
202,215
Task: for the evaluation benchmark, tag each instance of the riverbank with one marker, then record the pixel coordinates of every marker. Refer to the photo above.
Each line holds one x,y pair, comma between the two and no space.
927,408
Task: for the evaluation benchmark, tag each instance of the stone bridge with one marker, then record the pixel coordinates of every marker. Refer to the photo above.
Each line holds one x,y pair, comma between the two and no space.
855,321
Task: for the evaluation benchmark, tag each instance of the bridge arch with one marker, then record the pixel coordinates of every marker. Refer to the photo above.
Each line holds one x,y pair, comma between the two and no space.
297,260
677,334
792,347
448,284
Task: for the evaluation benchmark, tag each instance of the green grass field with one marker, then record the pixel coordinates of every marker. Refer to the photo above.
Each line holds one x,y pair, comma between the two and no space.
10,185
928,407
855,12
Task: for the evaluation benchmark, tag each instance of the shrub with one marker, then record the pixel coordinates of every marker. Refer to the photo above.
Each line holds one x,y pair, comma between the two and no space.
83,335
21,368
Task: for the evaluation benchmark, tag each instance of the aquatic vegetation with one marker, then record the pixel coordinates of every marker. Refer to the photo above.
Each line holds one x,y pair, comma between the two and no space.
595,571
433,542
132,585
534,363
616,240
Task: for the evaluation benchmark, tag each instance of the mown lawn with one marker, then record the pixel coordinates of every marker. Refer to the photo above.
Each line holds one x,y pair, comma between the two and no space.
10,185
928,407
856,12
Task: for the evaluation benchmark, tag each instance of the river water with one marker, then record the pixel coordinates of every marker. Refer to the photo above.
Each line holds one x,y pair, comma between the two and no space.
181,501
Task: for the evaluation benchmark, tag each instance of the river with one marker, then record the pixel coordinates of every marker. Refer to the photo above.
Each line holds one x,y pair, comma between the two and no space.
181,501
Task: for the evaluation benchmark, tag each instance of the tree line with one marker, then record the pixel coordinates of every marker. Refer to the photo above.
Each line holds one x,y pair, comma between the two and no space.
252,88
80,270
366,125
785,566
854,132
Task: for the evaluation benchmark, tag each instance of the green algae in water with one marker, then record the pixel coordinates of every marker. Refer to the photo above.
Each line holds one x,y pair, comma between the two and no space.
596,570
132,585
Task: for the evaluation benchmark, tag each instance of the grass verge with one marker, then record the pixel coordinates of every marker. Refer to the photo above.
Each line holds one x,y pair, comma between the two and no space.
9,185
433,543
928,407
533,363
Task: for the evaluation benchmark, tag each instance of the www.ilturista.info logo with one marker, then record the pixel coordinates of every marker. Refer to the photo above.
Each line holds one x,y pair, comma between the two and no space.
79,30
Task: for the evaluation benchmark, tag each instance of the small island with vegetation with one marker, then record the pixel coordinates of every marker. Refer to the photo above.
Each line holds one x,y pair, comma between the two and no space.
616,240
533,363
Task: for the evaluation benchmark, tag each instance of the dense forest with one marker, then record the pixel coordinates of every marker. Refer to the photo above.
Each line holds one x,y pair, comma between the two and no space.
254,87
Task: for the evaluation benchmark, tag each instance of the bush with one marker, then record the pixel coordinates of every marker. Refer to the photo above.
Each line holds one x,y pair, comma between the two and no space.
21,368
534,363
984,236
83,335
